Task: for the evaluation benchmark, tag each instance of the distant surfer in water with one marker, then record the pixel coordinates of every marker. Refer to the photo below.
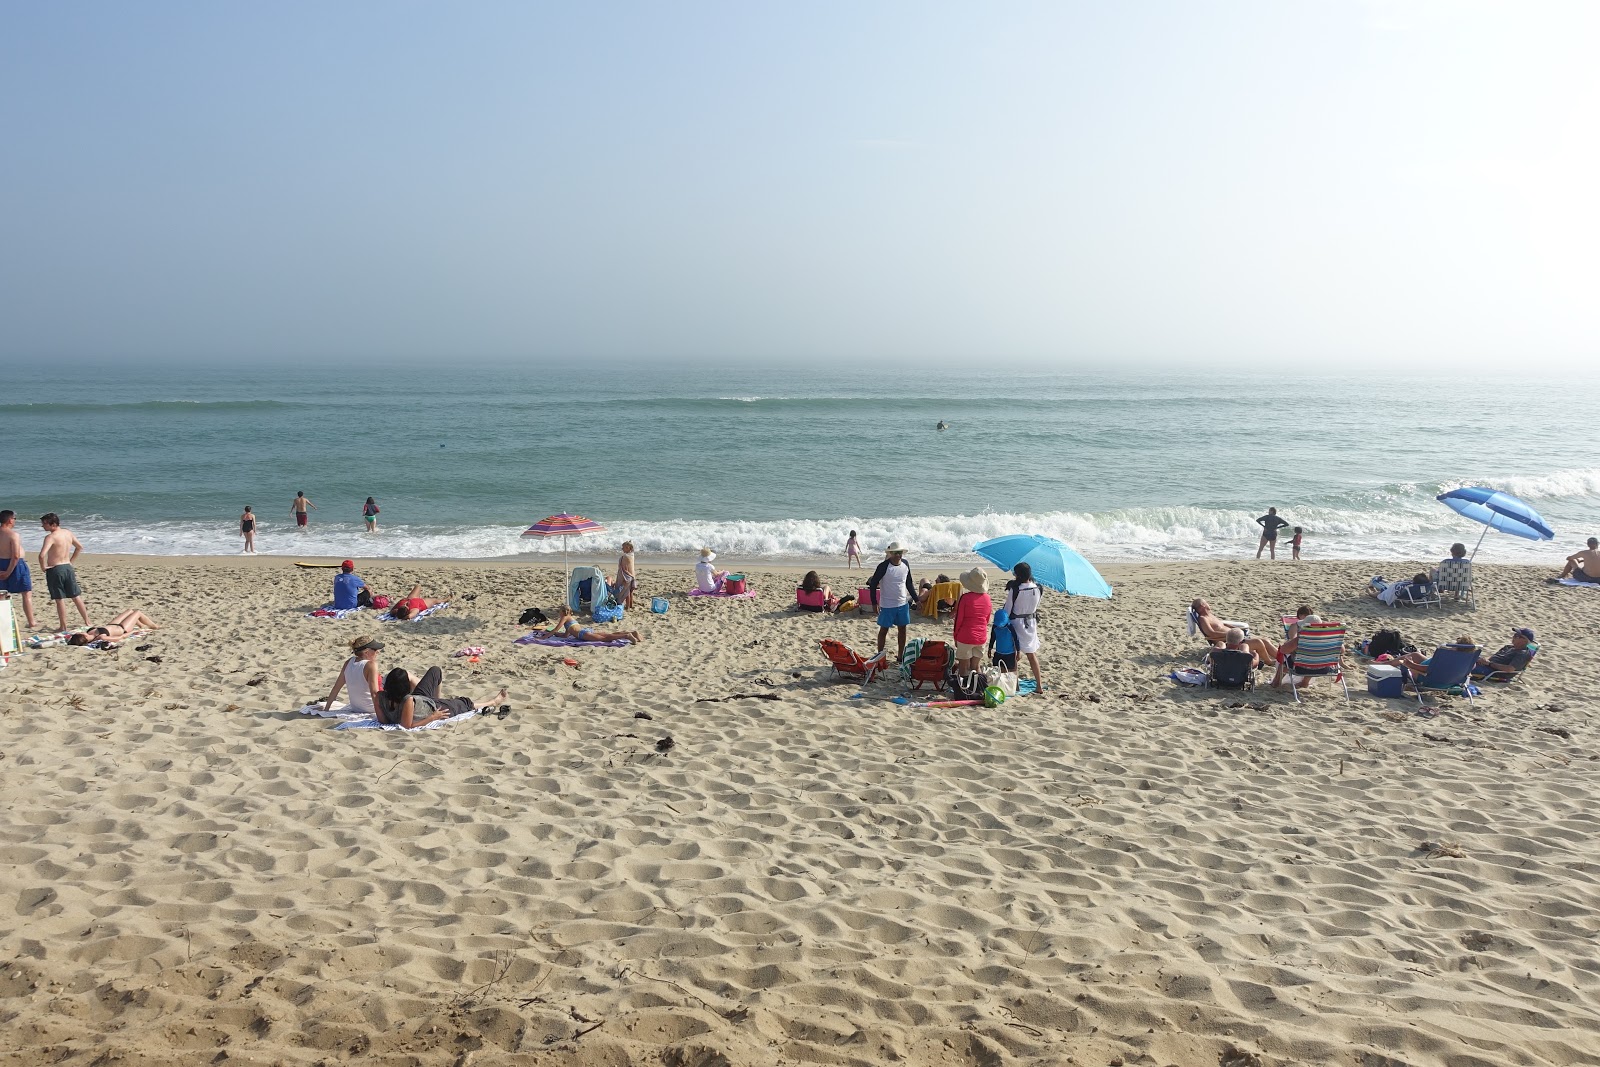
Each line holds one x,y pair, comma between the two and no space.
943,426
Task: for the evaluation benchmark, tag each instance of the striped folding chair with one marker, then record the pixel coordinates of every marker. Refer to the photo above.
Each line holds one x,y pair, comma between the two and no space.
1454,576
1319,653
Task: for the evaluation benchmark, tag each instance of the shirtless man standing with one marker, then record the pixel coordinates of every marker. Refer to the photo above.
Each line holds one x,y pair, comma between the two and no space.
60,548
298,510
14,576
1582,566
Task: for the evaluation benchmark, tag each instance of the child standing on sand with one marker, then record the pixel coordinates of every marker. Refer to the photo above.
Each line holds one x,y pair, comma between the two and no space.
1295,542
852,551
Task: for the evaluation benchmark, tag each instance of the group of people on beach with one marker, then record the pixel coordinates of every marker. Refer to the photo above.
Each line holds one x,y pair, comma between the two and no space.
300,510
57,554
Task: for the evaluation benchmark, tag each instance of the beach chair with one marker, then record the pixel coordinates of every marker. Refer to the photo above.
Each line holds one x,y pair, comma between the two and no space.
1230,668
1412,597
810,601
950,592
586,588
1319,653
846,661
933,661
1192,623
1454,576
1449,668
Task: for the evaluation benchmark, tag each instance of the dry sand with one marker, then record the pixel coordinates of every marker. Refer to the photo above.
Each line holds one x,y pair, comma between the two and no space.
1120,871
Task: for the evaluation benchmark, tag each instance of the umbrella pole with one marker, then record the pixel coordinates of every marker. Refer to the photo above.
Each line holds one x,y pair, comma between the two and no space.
1479,544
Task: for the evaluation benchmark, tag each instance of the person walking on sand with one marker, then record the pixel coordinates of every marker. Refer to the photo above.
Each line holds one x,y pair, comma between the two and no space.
852,551
369,514
299,509
1023,596
56,555
1270,525
893,590
15,578
247,529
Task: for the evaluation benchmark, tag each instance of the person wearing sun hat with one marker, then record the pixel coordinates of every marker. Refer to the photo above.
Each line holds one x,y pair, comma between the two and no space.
972,620
706,578
893,590
347,587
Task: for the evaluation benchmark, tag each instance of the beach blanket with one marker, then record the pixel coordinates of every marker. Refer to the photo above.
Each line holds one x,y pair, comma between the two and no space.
1581,585
748,594
338,711
374,724
46,640
539,637
329,612
387,617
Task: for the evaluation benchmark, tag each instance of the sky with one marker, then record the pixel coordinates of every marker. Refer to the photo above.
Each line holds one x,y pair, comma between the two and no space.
1391,184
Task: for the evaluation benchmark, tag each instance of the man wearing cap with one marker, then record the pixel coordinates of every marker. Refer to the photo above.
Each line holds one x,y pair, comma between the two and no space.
893,591
1510,659
347,588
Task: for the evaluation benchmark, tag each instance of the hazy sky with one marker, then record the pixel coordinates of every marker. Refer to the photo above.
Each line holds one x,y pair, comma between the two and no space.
1057,182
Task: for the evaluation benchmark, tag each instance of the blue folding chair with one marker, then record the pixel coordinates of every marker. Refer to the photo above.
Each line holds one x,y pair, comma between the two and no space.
1448,672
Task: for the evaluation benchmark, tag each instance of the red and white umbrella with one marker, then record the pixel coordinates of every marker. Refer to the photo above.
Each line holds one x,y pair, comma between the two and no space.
563,526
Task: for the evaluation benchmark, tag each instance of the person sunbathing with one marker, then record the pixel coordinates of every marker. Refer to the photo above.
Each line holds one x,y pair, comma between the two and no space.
409,702
413,603
568,626
115,630
1216,630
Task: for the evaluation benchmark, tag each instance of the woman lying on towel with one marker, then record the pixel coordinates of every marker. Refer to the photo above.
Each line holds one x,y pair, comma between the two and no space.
413,603
409,703
115,630
568,626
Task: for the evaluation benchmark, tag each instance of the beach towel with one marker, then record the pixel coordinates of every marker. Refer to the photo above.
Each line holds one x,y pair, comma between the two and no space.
539,637
338,711
1190,676
748,594
46,640
1580,585
374,724
328,611
387,617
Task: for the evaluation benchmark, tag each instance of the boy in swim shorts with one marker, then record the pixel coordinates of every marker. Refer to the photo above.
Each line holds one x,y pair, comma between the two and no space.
56,555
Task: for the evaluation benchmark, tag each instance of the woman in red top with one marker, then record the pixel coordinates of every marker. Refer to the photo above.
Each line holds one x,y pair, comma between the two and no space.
973,612
412,604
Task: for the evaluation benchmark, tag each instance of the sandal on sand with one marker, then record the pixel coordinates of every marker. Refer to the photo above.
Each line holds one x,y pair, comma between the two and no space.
505,709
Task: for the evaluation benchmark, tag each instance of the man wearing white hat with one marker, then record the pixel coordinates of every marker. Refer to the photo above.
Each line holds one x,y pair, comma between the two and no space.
706,579
893,591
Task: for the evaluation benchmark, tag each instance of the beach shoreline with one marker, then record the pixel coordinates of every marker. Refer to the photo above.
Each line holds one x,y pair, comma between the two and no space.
1119,868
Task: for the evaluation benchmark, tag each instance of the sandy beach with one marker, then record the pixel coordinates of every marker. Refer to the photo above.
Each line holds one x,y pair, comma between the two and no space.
1119,871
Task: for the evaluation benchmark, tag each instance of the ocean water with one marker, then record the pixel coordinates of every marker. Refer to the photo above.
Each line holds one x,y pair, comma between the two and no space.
779,464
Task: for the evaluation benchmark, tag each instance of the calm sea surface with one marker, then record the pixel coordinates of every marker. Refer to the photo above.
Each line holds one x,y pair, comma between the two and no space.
781,464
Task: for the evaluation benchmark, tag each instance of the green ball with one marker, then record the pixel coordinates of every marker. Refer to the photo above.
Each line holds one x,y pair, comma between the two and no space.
994,696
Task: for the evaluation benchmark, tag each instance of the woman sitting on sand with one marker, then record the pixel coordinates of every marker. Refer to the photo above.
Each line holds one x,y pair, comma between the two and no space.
568,626
359,675
410,703
115,630
413,603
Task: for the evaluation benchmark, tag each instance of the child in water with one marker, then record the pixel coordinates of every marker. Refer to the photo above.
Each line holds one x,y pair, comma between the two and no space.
852,550
1295,542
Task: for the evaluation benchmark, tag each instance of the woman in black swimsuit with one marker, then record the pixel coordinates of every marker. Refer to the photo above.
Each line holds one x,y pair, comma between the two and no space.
247,526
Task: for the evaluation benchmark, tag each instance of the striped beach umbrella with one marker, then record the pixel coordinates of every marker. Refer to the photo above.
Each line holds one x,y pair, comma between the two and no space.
563,526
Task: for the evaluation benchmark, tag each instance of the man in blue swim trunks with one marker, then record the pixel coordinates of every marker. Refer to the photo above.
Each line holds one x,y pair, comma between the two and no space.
893,590
15,577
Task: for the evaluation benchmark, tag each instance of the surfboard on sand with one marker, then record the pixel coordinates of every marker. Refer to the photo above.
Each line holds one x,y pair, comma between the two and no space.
317,566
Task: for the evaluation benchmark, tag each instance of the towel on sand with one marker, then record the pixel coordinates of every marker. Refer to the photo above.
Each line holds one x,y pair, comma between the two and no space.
387,617
748,594
329,612
338,711
538,637
1583,585
374,724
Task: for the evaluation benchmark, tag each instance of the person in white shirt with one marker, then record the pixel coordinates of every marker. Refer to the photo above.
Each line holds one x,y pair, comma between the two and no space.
707,579
893,590
1022,604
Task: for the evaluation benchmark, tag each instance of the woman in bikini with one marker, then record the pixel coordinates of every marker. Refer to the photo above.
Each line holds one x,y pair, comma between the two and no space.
247,527
115,630
567,626
410,702
413,603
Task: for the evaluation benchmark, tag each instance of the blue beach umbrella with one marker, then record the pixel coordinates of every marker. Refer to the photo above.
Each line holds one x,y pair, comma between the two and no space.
1055,565
1497,511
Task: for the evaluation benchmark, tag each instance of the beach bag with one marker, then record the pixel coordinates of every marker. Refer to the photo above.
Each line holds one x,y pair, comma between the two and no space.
380,602
1385,643
610,611
968,686
364,599
733,585
659,605
1005,680
531,616
847,604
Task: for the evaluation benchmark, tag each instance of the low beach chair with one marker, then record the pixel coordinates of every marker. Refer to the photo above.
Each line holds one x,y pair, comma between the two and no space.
933,661
1230,668
1449,668
1454,576
1192,622
848,662
1319,653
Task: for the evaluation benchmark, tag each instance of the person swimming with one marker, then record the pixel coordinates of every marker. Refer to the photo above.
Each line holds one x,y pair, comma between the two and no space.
942,426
